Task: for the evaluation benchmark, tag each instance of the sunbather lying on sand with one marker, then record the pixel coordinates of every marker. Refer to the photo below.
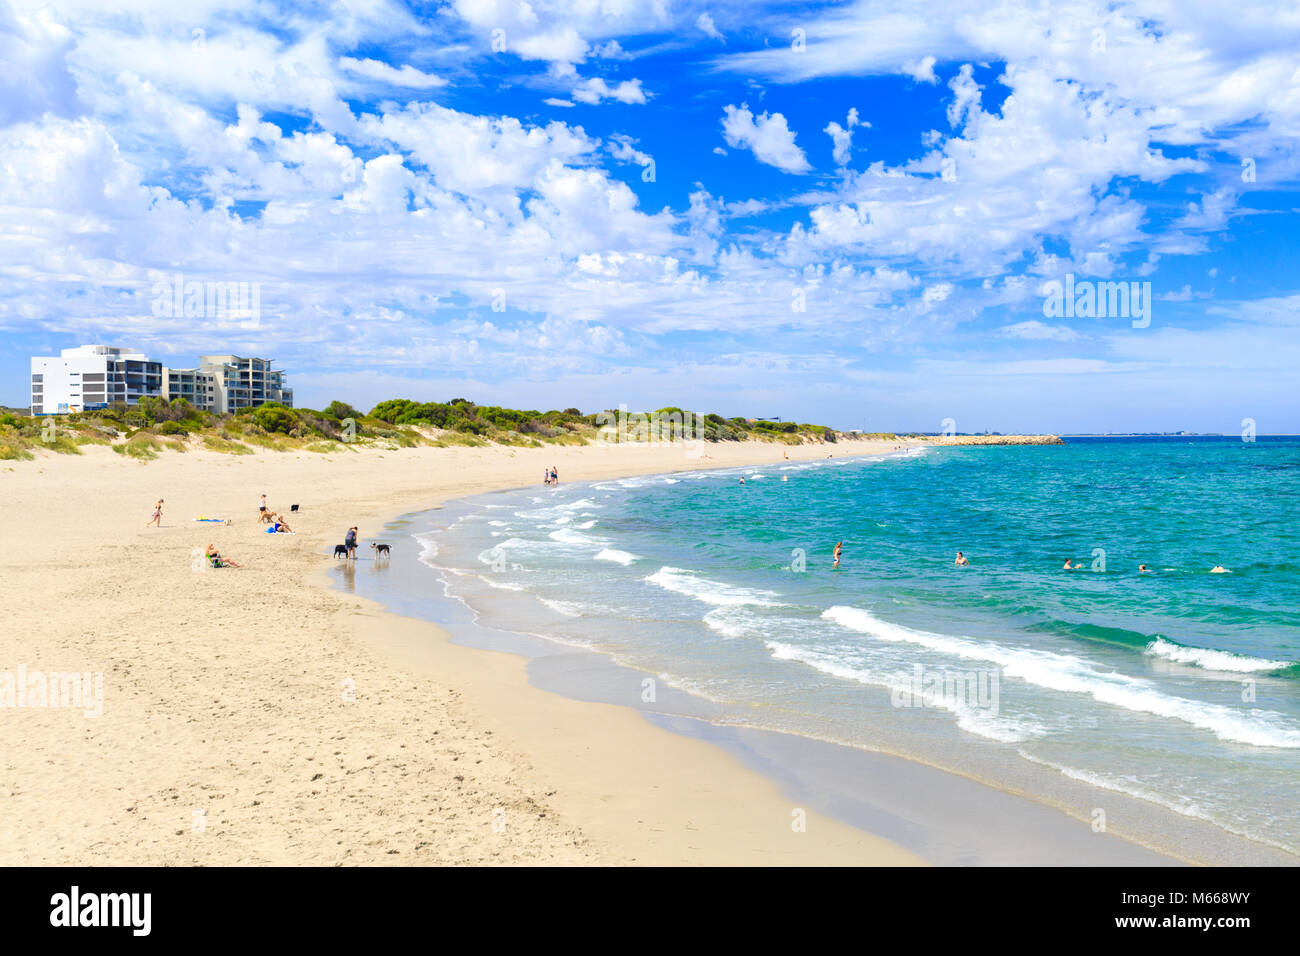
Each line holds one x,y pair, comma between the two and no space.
217,561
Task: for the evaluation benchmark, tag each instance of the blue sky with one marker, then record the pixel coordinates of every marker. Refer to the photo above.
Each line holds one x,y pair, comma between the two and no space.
853,215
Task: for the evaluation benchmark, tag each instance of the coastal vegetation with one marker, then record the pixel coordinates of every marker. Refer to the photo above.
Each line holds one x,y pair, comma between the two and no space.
155,426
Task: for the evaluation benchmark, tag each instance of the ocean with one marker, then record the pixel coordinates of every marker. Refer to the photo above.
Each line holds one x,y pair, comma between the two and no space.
1179,687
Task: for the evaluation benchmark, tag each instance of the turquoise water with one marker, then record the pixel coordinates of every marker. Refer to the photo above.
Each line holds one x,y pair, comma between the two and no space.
1179,687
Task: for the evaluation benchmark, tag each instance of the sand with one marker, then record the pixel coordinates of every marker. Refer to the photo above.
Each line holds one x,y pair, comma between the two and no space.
258,716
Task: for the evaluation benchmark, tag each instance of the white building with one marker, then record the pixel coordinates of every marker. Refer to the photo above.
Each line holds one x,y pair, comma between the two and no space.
92,376
196,386
243,382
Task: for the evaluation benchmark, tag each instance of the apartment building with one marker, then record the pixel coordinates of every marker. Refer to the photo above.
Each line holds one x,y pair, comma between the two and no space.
196,386
243,382
92,376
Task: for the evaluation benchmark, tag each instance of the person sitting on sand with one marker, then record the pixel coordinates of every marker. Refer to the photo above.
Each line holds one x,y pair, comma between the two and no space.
157,514
1219,569
961,561
278,525
839,548
217,561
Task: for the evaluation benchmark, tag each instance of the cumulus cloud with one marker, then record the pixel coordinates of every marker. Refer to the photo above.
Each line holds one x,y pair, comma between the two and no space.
842,136
595,89
768,136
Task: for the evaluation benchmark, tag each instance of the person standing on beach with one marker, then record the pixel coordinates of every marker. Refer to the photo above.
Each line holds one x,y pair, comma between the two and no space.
157,514
350,542
839,549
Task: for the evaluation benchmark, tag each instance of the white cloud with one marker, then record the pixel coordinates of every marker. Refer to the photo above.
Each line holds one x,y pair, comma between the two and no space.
1038,331
842,136
595,89
768,136
921,70
407,75
706,25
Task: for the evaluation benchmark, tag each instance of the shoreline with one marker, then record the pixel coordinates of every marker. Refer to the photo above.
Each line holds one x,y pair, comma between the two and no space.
229,699
1006,815
246,721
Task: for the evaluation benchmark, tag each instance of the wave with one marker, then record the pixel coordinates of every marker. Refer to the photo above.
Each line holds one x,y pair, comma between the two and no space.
716,593
501,585
567,608
1073,675
1213,660
619,557
1157,645
982,721
576,538
1129,787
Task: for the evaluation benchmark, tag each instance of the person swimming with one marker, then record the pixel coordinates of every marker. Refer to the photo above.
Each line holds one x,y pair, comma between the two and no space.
961,561
1075,567
1143,569
839,549
1219,569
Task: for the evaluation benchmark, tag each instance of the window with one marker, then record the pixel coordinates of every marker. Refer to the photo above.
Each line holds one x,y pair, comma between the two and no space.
38,378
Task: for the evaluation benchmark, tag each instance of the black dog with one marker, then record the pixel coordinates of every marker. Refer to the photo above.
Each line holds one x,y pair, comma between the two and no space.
340,550
293,508
381,550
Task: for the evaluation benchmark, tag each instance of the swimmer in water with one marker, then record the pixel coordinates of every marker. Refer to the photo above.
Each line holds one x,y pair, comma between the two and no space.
1068,567
961,561
839,547
1143,569
1219,569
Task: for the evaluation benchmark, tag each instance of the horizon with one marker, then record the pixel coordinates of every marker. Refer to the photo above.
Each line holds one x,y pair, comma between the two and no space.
856,215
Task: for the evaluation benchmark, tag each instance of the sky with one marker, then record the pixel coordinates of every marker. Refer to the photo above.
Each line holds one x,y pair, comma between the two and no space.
856,214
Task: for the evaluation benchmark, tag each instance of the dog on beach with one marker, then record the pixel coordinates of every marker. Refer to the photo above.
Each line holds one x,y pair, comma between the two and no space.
381,550
293,508
340,550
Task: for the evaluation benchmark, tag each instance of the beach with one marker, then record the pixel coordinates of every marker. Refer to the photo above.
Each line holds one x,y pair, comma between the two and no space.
257,716
265,715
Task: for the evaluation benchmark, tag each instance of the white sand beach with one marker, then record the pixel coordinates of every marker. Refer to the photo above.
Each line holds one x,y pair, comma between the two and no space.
256,715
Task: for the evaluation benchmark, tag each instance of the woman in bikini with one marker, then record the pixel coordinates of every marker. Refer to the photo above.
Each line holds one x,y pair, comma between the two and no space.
157,514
